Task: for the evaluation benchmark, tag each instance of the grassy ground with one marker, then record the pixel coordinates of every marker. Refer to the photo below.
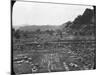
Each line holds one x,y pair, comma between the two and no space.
70,56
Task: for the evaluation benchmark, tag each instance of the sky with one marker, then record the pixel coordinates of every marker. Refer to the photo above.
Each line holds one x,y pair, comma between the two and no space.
30,13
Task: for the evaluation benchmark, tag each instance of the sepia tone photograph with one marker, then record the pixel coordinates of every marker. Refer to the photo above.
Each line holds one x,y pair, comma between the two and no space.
52,37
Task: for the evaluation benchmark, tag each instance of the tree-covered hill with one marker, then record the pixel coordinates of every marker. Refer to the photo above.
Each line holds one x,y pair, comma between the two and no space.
84,24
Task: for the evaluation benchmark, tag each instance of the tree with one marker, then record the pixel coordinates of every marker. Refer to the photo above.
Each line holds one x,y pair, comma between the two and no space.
68,24
49,32
17,34
59,32
38,31
77,19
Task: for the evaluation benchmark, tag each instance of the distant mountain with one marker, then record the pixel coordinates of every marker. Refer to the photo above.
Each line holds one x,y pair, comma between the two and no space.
42,28
84,24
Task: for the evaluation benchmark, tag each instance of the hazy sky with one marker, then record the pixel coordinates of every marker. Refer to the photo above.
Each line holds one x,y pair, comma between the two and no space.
29,13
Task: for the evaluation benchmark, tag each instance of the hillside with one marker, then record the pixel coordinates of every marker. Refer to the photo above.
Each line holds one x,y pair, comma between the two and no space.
83,24
42,27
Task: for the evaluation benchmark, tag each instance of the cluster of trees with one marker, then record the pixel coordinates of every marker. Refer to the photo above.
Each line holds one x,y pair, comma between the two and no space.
26,34
16,33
